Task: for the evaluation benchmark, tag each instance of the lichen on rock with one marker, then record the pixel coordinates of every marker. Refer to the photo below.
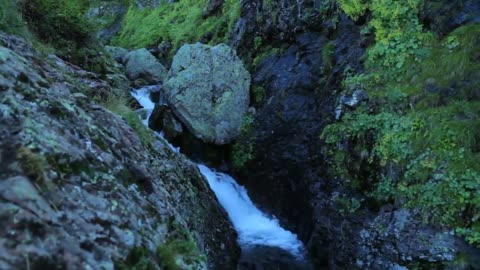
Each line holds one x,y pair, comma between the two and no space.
208,89
79,189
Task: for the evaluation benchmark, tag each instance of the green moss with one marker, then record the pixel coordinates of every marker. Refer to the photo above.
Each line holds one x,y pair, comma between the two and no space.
180,250
67,168
263,53
177,253
179,22
243,150
327,54
258,94
257,42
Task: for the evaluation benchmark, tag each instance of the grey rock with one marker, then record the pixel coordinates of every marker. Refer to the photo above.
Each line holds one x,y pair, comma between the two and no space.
172,127
141,64
350,101
78,189
208,90
162,119
354,99
402,238
117,53
155,121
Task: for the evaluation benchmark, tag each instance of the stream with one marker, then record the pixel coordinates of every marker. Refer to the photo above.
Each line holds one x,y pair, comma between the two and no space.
265,244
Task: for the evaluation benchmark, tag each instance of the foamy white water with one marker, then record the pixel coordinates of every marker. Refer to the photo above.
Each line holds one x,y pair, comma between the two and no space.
253,226
142,95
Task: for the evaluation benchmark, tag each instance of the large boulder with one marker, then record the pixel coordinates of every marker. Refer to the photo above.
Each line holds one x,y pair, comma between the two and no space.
141,64
208,90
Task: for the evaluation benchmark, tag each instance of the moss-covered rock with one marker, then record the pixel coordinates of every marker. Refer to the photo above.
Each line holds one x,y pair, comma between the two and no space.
208,90
141,64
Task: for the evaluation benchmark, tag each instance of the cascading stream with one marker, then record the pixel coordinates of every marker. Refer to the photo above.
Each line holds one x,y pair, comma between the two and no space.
254,227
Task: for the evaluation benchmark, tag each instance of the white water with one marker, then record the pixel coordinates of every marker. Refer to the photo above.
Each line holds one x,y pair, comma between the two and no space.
253,226
142,95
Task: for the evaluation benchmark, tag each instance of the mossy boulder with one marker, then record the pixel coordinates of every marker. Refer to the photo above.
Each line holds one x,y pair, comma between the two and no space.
117,53
141,64
208,90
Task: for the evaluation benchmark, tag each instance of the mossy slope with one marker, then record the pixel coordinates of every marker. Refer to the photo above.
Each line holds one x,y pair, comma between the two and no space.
416,142
179,22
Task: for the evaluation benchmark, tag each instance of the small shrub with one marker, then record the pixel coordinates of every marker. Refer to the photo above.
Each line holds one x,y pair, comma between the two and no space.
138,259
353,8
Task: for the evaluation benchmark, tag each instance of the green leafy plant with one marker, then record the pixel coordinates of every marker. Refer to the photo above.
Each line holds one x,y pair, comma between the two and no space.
420,145
398,32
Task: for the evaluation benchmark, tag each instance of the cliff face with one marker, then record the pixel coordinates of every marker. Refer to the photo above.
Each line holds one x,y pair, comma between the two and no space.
80,190
337,86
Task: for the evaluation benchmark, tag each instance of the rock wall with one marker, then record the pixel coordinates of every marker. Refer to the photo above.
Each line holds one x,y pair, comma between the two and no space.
301,52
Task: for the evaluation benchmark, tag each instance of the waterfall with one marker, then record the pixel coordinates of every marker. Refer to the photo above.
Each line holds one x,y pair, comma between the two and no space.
254,228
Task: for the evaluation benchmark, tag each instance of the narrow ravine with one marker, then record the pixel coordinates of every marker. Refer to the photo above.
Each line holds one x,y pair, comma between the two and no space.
257,231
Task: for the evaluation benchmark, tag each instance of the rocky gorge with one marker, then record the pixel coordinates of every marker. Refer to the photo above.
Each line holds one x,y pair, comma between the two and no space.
351,127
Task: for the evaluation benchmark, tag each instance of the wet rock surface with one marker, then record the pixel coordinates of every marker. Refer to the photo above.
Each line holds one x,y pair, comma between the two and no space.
78,188
288,153
263,257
